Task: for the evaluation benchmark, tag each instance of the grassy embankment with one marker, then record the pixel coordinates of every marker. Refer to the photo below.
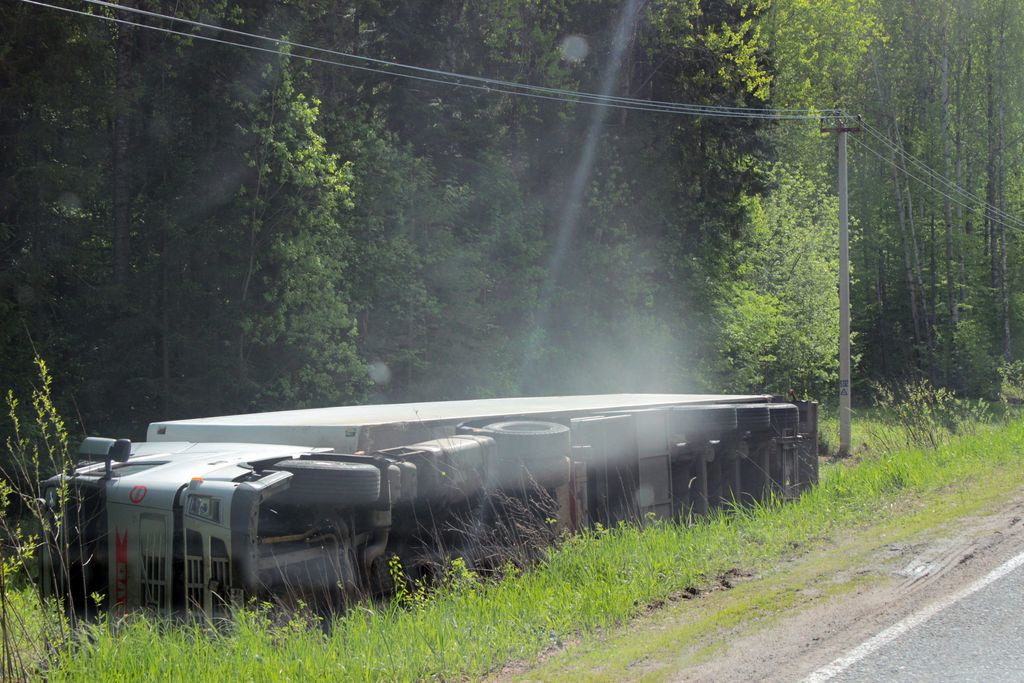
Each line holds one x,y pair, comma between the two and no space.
590,583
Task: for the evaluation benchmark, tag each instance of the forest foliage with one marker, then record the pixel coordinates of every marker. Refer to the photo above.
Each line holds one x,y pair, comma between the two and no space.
192,228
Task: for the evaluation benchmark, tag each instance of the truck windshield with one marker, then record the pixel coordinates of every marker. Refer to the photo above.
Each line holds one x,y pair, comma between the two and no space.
133,468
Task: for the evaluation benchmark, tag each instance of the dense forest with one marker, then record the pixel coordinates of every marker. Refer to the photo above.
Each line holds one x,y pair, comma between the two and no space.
195,220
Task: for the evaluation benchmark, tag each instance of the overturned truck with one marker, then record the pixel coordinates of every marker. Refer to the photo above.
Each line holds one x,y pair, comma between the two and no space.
314,504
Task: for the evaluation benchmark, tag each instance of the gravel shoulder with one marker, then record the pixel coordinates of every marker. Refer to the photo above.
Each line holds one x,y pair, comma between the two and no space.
788,620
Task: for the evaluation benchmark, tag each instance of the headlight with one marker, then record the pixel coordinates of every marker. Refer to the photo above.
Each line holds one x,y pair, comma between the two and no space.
206,507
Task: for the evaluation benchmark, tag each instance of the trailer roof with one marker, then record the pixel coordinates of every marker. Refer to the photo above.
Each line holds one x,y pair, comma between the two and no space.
446,411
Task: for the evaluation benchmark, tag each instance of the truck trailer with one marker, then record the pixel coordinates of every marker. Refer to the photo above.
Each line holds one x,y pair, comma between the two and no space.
313,505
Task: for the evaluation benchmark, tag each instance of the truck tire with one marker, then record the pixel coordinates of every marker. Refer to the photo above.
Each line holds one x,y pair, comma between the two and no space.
325,482
541,447
754,417
704,421
784,416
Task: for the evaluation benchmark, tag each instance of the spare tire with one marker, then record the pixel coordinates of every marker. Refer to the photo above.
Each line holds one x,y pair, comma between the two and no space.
327,482
704,421
753,417
784,416
543,448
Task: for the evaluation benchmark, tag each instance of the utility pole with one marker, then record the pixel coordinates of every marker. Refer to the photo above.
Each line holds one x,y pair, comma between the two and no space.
841,130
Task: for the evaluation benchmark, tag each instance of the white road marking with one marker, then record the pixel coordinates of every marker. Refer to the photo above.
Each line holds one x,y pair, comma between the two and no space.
914,620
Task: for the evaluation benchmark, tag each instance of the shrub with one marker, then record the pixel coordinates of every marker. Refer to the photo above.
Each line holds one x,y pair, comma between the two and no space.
924,416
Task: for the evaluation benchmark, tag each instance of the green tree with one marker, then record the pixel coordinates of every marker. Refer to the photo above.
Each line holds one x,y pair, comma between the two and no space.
296,342
780,316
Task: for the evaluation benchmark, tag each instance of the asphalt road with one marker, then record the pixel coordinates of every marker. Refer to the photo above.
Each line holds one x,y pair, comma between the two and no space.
979,637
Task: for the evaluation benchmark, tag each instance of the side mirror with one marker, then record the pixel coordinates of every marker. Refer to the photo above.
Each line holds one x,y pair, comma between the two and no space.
95,447
121,450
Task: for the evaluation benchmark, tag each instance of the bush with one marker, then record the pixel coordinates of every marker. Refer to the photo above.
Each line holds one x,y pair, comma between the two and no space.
924,416
1011,385
31,630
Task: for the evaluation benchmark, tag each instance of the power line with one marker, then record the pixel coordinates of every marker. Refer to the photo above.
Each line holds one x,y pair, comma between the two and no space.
454,75
546,93
219,41
906,156
478,83
439,72
949,184
937,190
995,213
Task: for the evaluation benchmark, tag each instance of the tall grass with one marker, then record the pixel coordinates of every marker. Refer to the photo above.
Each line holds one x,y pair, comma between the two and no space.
30,632
469,626
913,415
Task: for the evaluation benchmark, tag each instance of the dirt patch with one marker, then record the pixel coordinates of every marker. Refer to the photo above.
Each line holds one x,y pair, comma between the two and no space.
903,578
807,610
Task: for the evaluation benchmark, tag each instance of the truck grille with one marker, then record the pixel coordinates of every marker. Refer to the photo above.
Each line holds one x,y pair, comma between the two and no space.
153,556
220,567
207,586
195,581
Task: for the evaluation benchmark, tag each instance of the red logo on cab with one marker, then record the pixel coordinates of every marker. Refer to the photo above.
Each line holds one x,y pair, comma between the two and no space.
137,494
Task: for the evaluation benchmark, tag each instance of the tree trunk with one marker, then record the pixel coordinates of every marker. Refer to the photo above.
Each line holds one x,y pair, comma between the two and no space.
905,212
880,316
1001,161
919,276
915,255
1004,282
947,207
995,181
961,297
165,324
120,171
1003,270
907,264
933,303
991,179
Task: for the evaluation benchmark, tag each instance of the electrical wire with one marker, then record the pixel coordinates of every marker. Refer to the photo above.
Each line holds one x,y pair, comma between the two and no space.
546,93
450,74
949,184
907,157
535,92
993,212
886,159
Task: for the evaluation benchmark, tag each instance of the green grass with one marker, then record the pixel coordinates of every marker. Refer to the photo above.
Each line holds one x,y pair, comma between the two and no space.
590,583
659,645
